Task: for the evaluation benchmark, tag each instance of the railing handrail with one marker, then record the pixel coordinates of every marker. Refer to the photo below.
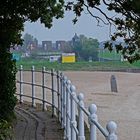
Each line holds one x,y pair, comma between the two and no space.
66,105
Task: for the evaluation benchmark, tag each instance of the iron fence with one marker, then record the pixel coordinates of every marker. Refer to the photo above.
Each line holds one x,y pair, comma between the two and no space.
65,103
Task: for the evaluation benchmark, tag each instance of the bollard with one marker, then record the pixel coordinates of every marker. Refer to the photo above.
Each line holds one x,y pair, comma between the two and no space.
92,117
113,83
81,135
73,114
111,127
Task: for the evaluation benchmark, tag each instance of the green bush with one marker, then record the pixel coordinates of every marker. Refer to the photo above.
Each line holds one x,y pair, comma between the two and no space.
7,86
5,130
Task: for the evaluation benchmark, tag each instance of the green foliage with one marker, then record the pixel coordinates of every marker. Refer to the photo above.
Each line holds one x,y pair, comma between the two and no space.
29,41
13,15
7,85
86,48
106,54
5,130
126,22
78,66
90,49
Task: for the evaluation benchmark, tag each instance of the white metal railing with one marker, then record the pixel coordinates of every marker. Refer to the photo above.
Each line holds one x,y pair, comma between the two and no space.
69,106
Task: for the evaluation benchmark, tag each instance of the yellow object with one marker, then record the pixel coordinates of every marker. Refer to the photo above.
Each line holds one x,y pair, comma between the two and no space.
68,57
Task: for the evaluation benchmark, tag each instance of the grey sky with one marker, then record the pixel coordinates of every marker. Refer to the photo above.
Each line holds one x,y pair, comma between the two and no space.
63,29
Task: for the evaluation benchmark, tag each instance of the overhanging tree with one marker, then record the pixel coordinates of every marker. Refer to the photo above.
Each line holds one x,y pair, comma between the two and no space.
126,21
13,15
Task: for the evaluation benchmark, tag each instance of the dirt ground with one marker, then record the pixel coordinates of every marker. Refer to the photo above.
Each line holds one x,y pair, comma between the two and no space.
122,107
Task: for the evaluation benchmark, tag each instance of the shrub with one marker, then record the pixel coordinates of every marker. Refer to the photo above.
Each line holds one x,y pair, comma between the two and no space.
7,86
5,130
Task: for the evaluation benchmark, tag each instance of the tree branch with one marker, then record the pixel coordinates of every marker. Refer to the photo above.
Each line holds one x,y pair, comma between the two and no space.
96,17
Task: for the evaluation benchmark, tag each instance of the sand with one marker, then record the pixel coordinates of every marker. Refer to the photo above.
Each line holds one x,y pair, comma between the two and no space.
122,107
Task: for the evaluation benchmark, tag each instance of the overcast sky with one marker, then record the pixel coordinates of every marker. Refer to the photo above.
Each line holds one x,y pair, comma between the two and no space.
63,29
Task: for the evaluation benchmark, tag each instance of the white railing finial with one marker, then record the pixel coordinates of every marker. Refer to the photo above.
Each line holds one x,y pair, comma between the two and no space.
65,79
43,69
33,68
111,127
68,82
73,88
92,109
21,67
80,97
92,117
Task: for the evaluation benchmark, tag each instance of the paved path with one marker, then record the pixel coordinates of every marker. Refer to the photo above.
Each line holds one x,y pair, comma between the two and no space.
34,124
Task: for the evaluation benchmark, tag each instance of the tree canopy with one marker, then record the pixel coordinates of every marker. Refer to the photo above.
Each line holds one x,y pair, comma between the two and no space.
126,21
13,15
86,48
29,41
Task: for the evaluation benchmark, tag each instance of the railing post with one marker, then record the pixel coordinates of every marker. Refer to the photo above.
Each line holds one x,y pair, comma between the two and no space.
33,87
64,105
68,115
111,127
58,95
61,97
52,75
73,114
21,85
81,135
92,117
43,89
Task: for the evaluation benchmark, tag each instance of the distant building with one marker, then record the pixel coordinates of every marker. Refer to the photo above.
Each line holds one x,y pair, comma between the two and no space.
47,45
60,45
75,39
64,46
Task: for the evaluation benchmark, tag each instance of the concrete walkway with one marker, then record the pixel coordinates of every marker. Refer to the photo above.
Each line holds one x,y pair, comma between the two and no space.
34,124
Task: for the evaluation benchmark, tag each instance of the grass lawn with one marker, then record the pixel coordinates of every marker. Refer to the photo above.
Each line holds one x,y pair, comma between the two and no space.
106,54
78,66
